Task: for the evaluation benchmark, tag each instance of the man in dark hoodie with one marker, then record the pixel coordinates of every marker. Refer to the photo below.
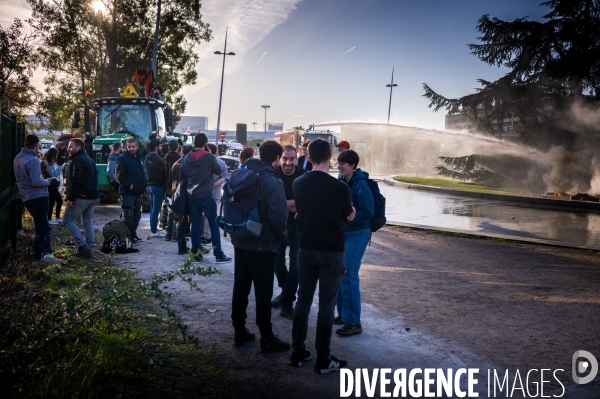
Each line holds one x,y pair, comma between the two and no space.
255,257
82,198
197,170
132,180
156,185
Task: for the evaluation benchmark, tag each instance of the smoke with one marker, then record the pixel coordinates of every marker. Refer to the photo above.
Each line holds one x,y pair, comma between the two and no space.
572,167
576,165
572,172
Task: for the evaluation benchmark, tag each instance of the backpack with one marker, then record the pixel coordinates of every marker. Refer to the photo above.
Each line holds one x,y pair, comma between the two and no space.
378,219
117,237
239,205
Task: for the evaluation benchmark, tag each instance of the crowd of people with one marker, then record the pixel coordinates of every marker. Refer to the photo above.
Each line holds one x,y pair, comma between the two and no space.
323,221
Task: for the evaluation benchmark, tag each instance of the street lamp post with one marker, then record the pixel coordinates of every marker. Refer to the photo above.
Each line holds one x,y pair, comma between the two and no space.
155,48
254,123
266,107
391,86
224,53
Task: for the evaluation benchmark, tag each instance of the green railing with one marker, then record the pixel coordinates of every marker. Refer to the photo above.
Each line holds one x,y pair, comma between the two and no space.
12,135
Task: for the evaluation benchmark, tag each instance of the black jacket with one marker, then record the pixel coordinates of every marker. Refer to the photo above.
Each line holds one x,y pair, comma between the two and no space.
153,166
301,160
83,181
272,208
130,171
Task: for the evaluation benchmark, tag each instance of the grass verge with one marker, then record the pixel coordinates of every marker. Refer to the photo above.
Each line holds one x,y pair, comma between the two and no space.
451,184
91,329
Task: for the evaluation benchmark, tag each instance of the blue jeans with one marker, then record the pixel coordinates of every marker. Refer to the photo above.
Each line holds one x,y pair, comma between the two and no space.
348,299
209,207
157,195
288,280
327,269
83,208
38,208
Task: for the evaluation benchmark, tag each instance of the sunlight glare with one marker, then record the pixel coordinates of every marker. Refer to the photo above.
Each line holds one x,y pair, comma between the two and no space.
98,6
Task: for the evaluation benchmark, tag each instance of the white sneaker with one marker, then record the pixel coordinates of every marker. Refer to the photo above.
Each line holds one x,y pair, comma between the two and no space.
158,234
51,260
53,222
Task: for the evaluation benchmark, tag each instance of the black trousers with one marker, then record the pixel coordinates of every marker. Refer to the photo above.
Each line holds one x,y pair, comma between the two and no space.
54,197
258,268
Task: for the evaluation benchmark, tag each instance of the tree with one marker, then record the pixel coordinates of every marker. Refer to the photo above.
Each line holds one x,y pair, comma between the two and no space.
554,68
86,49
18,58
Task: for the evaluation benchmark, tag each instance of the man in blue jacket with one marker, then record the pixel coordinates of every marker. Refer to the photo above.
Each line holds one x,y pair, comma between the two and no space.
34,191
82,198
132,184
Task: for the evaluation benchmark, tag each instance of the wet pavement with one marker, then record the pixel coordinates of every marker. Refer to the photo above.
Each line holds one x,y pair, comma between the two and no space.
505,219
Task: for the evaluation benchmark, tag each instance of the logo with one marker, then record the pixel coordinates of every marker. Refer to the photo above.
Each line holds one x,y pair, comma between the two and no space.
590,364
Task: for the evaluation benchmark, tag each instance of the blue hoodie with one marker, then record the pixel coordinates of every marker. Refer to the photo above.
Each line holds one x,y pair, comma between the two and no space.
362,201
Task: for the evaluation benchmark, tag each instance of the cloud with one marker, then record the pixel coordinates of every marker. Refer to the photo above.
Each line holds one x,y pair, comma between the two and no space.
249,22
12,9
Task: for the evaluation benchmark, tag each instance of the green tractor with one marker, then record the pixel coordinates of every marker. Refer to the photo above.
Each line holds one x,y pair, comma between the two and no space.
117,119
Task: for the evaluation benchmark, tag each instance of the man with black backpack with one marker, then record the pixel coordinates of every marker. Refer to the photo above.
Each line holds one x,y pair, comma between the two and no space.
255,253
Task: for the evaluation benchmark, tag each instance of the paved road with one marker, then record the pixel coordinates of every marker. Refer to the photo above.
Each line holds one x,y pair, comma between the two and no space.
492,217
428,301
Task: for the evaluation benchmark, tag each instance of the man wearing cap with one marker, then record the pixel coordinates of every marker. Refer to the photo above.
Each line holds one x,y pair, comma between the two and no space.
167,166
132,183
34,190
156,185
343,146
82,197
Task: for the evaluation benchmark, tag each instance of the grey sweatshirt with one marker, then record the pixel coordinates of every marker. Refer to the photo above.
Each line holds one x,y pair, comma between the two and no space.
28,173
198,168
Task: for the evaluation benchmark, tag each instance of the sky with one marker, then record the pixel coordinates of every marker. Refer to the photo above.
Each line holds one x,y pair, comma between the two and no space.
316,61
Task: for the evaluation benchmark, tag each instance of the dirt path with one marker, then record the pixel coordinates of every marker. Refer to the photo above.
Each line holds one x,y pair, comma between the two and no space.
429,300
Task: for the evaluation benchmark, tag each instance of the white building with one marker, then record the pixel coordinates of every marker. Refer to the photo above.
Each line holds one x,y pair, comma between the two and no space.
194,123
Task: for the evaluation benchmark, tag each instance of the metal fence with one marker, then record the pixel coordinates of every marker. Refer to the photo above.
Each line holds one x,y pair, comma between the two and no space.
12,135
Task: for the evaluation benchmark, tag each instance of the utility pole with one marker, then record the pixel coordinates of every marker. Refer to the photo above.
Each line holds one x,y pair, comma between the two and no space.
155,51
391,86
266,107
225,53
254,123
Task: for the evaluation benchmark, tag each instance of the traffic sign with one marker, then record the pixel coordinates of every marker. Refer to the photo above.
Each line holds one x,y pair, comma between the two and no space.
129,91
222,135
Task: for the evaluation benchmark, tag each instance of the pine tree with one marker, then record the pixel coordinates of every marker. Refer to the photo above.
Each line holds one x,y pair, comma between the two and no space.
554,67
